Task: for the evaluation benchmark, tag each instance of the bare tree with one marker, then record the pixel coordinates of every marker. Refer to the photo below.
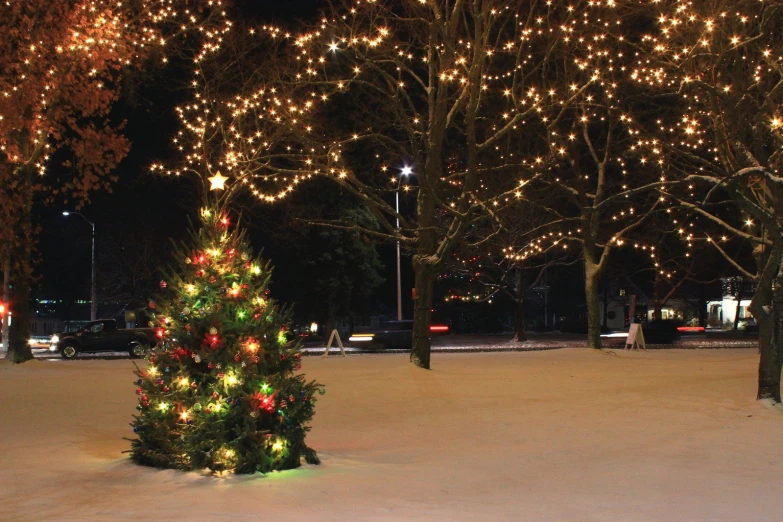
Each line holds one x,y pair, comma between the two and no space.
503,258
386,88
722,134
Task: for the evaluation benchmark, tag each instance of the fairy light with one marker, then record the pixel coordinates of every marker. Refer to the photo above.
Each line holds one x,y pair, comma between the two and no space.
72,74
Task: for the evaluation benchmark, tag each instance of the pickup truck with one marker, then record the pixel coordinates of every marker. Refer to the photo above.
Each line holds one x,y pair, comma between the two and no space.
104,336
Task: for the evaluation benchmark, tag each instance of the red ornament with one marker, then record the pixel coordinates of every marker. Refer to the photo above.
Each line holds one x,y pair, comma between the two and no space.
297,367
298,356
138,391
208,410
237,357
221,375
165,388
282,356
145,398
212,279
215,395
163,284
261,401
193,385
210,366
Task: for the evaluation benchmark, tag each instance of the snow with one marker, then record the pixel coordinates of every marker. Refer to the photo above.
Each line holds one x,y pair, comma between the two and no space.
568,434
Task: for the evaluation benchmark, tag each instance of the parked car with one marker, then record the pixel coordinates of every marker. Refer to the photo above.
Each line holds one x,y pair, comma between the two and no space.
395,335
104,336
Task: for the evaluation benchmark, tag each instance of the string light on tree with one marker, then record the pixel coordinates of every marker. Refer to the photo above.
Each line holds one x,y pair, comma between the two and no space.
213,393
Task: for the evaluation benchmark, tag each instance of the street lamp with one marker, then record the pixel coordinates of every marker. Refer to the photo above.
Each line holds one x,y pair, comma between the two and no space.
93,297
406,171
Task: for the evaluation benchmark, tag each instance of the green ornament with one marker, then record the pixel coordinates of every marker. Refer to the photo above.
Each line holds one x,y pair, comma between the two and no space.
321,391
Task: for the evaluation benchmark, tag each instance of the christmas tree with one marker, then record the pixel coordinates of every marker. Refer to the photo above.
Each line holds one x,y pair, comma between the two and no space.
220,390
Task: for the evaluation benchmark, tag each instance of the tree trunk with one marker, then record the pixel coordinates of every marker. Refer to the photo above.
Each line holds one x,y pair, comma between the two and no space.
19,333
739,300
519,320
766,312
6,298
702,307
769,360
422,310
19,336
519,306
657,304
593,305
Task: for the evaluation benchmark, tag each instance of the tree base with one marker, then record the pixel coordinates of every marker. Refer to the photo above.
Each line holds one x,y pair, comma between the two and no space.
769,393
18,357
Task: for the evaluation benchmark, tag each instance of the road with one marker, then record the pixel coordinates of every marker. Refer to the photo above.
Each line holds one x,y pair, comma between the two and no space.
495,343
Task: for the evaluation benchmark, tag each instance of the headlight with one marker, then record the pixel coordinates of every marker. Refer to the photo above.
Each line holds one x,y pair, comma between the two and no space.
55,339
361,338
30,342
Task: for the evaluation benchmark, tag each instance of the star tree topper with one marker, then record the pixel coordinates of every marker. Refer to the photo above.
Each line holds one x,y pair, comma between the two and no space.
218,182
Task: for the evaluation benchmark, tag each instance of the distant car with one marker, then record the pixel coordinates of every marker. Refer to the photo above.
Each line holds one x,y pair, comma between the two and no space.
39,342
104,336
394,335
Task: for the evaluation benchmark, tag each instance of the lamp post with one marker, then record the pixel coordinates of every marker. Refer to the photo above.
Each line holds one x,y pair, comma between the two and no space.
406,171
93,296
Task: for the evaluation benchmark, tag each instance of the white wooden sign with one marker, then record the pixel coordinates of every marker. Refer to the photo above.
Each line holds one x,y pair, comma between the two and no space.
635,337
332,337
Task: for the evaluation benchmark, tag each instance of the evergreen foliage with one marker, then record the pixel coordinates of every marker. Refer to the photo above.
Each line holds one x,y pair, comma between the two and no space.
220,391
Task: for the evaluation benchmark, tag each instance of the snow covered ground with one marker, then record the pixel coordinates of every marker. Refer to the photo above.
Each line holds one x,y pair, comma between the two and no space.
546,435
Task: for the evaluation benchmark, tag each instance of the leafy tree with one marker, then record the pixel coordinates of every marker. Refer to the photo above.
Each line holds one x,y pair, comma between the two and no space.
342,266
62,65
